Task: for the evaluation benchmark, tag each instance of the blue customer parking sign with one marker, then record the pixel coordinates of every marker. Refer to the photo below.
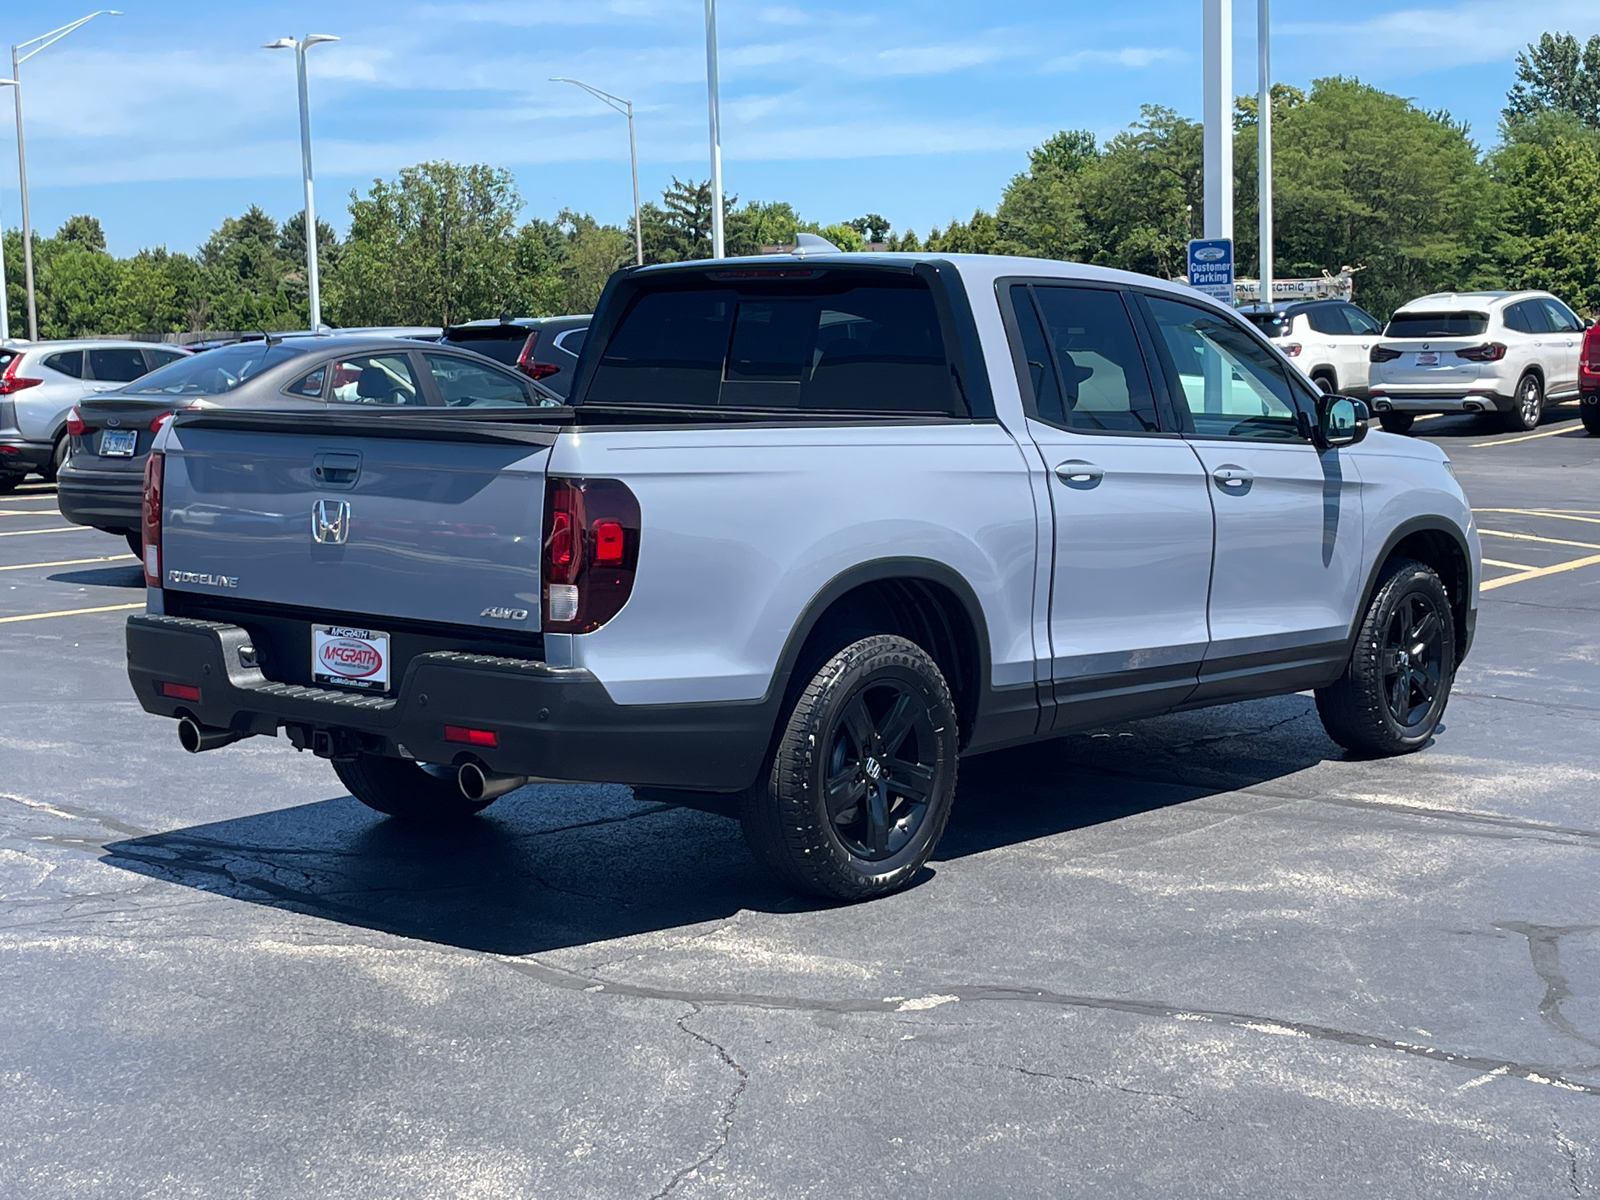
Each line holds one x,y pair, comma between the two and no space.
1211,267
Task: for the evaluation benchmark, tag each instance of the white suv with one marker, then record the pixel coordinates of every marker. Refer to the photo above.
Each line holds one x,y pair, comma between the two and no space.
41,381
1329,340
1506,352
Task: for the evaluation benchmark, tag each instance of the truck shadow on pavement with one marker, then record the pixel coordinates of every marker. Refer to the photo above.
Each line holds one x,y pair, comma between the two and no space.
561,865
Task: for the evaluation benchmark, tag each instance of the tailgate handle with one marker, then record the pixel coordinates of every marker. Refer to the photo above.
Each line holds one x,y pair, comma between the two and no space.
338,471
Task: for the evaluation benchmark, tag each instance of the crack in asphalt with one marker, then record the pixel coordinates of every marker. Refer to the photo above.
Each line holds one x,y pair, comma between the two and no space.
80,814
1006,993
1544,948
729,1107
1570,1153
1588,708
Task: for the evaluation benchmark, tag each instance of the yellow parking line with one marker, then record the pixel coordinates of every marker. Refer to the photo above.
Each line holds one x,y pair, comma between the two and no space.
27,512
75,562
1533,537
1525,437
52,529
1540,572
71,612
1495,562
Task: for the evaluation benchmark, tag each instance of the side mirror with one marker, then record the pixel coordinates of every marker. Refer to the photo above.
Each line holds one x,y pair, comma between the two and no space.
1341,421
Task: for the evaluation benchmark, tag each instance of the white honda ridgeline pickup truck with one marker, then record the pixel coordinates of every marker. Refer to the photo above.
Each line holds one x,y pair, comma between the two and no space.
811,529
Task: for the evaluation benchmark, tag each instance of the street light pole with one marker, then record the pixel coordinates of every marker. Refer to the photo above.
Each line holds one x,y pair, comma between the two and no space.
718,246
1264,142
1216,106
5,300
313,280
21,53
625,107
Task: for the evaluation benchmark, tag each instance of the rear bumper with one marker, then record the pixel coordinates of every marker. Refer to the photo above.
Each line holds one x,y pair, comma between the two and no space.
550,722
19,456
103,499
1398,398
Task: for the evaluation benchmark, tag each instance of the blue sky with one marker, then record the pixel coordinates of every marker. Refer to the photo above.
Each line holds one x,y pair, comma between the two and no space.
164,120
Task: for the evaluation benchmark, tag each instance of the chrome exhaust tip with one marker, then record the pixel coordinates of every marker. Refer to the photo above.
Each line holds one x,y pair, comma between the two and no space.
476,783
195,737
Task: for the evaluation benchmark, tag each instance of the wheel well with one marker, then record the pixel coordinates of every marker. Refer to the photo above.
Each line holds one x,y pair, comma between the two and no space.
1536,371
1437,549
1328,373
920,610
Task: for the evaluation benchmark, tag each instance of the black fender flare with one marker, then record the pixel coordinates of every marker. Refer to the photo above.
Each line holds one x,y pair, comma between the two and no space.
1425,524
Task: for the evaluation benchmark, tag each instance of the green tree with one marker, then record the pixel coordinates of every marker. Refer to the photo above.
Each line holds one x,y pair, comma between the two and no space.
1551,216
433,247
759,224
593,252
1041,210
1141,199
1555,75
85,231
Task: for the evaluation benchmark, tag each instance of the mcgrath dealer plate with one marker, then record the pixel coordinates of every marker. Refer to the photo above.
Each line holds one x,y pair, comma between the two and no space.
349,657
119,443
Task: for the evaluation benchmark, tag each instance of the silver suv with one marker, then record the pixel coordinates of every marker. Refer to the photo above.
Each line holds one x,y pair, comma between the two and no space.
41,381
1506,352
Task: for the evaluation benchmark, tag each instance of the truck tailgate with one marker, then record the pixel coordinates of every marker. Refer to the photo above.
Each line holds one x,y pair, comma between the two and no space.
427,520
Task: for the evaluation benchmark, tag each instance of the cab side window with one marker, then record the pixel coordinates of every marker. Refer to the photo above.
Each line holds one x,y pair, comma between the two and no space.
1083,358
374,379
1232,385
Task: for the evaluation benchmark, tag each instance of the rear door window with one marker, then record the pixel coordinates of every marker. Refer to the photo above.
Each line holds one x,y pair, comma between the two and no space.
374,379
1328,319
1437,324
503,343
160,358
1562,318
117,364
1084,359
863,348
1361,322
68,362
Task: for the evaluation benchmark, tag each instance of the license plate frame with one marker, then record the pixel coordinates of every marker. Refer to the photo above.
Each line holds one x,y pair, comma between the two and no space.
118,443
1427,358
350,656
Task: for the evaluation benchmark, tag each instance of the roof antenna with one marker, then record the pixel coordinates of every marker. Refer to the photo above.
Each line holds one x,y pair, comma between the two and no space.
270,340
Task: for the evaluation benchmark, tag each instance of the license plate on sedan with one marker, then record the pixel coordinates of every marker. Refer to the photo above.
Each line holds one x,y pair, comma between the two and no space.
350,657
1428,358
119,443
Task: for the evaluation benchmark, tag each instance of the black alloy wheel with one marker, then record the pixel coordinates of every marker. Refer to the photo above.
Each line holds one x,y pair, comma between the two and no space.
1529,406
1413,659
881,760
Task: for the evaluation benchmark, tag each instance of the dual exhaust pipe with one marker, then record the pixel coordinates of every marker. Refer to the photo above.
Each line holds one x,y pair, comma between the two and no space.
475,780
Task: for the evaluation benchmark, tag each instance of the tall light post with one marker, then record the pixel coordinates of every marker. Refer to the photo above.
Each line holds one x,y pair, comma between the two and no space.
5,300
625,107
718,246
21,53
1264,142
1216,108
313,284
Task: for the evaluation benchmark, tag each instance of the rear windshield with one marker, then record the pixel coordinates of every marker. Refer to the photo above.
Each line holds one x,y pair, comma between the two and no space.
1273,324
215,371
865,348
1439,324
503,343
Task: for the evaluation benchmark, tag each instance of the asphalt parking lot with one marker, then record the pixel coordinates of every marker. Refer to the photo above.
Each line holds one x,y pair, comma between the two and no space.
1207,954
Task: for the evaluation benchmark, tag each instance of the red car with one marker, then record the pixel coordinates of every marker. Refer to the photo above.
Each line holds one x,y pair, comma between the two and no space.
1589,379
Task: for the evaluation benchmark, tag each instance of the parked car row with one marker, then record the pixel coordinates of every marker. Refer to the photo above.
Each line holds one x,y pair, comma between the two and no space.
1510,353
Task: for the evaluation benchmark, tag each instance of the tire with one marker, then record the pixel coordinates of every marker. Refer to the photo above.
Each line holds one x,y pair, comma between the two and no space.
9,483
135,544
857,716
406,790
1589,410
1325,382
1396,685
1524,414
57,457
1394,422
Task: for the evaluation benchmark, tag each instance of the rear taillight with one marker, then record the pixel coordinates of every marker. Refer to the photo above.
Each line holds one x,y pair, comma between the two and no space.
591,550
75,425
157,421
526,363
150,521
1292,349
10,381
1488,352
1382,354
1591,348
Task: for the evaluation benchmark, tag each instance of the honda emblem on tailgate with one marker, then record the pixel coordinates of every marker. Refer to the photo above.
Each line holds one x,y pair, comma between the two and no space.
330,522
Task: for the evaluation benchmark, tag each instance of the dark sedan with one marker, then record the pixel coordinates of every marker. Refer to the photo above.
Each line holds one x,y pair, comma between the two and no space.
101,483
542,348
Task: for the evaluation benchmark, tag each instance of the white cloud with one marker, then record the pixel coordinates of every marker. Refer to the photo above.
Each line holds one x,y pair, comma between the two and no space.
1128,56
1443,36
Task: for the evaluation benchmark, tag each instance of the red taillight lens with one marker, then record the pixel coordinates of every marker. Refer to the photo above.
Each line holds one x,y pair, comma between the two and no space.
150,522
157,421
75,425
180,691
471,737
591,551
1382,354
526,363
12,382
1488,352
1591,348
1292,349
